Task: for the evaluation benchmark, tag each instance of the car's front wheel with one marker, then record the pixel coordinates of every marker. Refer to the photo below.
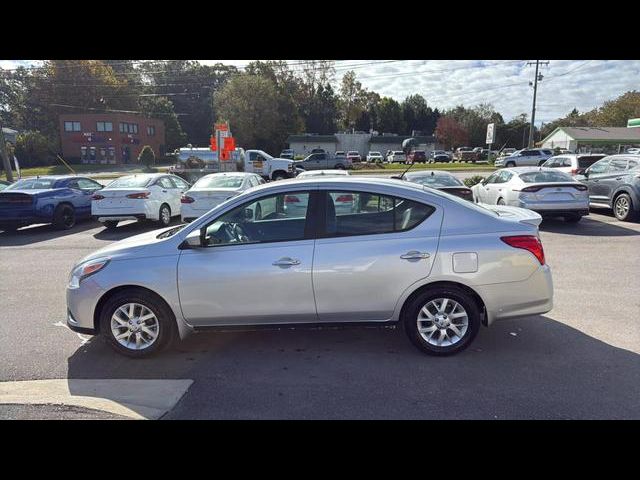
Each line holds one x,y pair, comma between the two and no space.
623,207
64,217
442,321
136,323
510,164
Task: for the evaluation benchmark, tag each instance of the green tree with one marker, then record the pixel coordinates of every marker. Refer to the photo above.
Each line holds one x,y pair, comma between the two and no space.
353,100
147,157
35,149
389,116
250,104
163,109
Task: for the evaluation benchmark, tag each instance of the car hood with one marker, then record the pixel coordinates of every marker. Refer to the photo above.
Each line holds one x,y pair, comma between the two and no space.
517,214
144,244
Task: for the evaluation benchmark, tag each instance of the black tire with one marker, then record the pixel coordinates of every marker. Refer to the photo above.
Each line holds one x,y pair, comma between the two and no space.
163,217
279,176
510,164
64,217
339,167
412,310
573,218
167,330
622,214
501,201
111,224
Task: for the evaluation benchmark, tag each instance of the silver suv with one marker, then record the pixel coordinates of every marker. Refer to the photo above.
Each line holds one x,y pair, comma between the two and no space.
528,157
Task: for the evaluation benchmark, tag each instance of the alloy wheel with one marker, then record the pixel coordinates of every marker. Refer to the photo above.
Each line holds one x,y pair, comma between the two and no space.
134,326
442,322
622,207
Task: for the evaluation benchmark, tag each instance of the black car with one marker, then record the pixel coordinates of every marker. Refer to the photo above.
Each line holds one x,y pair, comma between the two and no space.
419,156
442,181
614,182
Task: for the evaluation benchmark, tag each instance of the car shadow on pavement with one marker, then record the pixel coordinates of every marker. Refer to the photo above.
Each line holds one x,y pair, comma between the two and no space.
130,228
41,233
531,368
589,227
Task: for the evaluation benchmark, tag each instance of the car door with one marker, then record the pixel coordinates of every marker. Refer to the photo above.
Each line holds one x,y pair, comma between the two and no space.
529,158
366,257
166,193
88,187
486,190
610,180
595,173
249,270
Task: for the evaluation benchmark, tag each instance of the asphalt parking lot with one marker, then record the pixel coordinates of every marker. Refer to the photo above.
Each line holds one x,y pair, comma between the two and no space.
581,360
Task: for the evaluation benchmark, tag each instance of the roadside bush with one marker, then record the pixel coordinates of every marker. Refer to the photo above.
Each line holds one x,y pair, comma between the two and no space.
147,157
33,149
471,181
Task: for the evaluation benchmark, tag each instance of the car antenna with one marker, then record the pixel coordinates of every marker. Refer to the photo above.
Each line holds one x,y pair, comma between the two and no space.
402,176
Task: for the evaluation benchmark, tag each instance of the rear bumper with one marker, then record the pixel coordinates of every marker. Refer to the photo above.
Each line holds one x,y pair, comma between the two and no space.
533,296
118,218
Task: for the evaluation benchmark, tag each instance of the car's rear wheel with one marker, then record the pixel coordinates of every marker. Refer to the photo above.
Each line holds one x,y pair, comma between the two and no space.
339,166
510,164
64,217
136,323
501,201
164,216
442,321
623,207
111,225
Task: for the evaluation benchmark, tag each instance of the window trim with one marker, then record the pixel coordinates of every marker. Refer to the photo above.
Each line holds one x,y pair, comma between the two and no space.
310,226
322,217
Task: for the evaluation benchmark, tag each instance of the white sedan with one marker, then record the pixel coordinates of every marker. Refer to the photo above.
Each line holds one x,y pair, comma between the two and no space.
147,196
547,191
374,157
211,190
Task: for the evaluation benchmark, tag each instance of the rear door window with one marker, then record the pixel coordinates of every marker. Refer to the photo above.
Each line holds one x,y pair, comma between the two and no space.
349,213
587,161
618,165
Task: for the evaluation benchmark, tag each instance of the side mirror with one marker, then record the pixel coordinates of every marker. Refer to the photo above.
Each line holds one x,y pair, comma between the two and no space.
193,240
584,172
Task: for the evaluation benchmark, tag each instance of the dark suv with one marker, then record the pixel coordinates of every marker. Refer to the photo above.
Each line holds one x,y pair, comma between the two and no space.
614,182
419,156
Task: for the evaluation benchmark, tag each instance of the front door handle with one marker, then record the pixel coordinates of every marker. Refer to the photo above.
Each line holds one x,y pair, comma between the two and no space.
286,262
414,255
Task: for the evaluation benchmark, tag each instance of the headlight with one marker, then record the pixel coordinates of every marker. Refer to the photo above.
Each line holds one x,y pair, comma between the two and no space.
86,269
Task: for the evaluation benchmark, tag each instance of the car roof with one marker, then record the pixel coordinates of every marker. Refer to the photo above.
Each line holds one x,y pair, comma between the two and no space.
520,170
426,173
312,173
229,174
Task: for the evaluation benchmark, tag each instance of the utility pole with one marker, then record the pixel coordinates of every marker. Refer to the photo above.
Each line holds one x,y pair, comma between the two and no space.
535,92
5,156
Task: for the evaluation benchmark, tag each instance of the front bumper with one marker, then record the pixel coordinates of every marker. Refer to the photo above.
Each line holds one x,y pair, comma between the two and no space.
533,296
81,304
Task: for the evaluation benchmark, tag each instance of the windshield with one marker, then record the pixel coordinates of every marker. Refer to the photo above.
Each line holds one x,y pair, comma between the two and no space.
436,180
545,177
222,181
32,184
133,181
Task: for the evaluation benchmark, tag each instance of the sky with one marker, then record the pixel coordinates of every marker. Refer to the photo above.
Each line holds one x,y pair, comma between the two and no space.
566,84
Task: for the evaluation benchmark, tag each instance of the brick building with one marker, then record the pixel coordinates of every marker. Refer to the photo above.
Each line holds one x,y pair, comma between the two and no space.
109,138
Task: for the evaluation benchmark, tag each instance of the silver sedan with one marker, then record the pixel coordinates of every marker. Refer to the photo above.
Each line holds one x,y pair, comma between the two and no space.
544,190
404,253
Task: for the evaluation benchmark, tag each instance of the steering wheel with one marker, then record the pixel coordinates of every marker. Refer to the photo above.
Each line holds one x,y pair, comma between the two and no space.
239,233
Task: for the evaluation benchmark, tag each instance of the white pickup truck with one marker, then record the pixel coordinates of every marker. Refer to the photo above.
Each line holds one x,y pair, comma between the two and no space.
194,163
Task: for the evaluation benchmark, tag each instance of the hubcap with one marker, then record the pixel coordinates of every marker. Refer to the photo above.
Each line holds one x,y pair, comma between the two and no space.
622,207
442,322
134,326
165,215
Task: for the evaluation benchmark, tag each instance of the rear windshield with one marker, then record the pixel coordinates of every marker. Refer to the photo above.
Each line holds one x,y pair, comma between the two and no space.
31,184
436,181
219,182
134,181
584,162
545,177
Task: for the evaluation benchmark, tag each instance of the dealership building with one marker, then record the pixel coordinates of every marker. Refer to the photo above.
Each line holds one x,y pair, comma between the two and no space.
608,140
109,138
361,142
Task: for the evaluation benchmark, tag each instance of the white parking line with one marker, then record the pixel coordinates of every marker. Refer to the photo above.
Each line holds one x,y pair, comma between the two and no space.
80,336
139,399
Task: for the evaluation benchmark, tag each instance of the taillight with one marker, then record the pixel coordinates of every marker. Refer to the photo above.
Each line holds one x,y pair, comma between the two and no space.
345,198
526,242
530,189
186,199
97,196
291,199
139,195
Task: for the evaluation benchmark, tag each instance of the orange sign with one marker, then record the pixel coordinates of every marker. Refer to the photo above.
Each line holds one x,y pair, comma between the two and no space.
214,146
225,155
221,127
229,143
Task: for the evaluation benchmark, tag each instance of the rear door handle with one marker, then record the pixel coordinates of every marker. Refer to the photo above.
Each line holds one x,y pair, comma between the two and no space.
286,262
619,178
414,255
